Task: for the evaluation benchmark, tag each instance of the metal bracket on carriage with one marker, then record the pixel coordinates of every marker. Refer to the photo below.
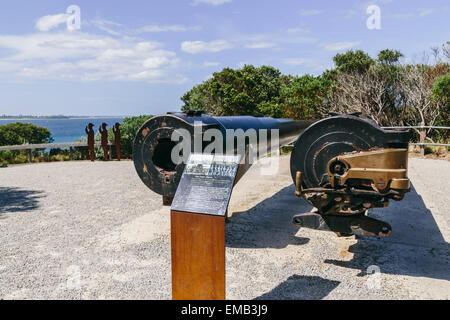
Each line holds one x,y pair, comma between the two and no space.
344,211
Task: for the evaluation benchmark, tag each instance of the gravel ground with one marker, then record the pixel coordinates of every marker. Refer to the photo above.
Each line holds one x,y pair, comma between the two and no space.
81,230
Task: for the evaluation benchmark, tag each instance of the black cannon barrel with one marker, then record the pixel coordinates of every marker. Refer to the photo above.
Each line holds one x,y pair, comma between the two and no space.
153,143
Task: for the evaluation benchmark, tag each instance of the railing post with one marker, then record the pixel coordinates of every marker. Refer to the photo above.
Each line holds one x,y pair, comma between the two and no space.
30,155
422,136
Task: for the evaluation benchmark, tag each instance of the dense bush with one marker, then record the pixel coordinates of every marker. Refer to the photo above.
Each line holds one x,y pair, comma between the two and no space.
246,91
19,133
23,133
128,130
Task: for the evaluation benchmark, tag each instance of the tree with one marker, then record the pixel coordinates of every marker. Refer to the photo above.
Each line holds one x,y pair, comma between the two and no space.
446,49
389,57
128,131
246,91
305,96
362,92
19,133
23,133
441,92
390,72
441,89
361,84
353,61
382,89
425,108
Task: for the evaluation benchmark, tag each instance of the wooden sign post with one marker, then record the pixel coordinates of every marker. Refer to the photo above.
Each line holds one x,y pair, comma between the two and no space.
198,256
198,227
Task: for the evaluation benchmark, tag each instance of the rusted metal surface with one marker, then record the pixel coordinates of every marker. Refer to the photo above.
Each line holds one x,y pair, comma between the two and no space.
298,184
379,166
346,165
91,140
153,144
116,130
104,134
167,200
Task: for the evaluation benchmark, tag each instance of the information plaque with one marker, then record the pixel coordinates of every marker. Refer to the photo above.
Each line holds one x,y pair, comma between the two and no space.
197,223
206,184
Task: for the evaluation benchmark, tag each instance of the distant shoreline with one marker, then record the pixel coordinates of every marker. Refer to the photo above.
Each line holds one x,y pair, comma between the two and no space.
61,118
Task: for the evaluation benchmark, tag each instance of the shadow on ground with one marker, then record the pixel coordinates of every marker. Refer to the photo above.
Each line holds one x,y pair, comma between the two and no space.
268,224
416,246
18,200
298,287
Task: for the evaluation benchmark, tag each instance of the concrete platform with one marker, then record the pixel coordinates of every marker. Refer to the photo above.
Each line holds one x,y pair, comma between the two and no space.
81,230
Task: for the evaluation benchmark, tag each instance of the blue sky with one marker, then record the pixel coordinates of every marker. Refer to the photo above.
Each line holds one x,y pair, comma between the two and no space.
139,57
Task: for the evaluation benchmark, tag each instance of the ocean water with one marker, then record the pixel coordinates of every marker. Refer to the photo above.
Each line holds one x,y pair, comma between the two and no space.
67,130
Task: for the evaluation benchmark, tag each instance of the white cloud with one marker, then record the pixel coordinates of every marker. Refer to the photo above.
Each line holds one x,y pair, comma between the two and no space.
210,2
298,40
86,57
260,45
109,30
148,46
426,11
307,63
211,64
339,46
195,47
348,13
295,61
114,54
401,16
166,28
54,46
46,23
117,29
297,30
156,62
311,12
107,26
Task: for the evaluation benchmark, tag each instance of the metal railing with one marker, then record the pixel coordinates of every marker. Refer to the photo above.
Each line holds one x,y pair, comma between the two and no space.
422,144
70,145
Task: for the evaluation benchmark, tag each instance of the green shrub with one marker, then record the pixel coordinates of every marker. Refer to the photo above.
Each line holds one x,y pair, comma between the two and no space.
21,133
128,131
